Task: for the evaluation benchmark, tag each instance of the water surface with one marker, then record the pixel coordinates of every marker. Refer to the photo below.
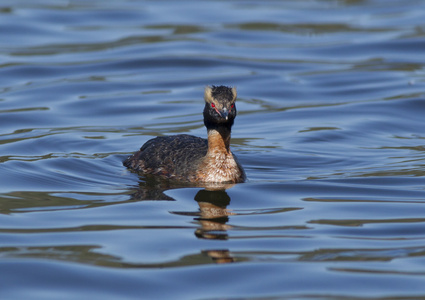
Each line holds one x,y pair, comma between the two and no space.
329,131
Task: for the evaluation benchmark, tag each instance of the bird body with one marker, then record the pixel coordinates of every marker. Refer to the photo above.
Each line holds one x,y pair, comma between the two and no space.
188,158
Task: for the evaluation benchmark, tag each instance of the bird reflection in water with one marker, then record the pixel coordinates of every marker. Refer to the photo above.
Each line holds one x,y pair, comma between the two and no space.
212,215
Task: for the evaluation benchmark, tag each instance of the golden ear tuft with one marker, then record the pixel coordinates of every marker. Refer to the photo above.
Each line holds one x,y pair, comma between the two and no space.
235,93
208,94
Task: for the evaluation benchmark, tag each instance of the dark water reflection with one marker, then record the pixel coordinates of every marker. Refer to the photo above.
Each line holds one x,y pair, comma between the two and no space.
329,130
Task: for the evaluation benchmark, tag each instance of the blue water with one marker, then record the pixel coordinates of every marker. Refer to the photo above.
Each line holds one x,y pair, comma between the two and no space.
330,131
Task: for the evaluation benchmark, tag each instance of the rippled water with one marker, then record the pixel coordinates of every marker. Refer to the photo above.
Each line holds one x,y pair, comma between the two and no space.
330,131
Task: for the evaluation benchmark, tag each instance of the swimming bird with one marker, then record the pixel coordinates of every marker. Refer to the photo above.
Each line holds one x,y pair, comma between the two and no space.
193,159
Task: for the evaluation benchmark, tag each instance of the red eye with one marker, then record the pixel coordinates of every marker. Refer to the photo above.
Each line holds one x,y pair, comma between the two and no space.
212,105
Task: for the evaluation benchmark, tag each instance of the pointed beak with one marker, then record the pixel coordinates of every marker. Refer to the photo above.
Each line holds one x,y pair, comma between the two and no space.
224,113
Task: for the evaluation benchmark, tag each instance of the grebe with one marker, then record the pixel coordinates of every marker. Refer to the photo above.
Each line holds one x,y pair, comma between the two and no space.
188,158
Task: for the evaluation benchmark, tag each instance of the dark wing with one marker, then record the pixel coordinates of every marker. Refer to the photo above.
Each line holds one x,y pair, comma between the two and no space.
171,156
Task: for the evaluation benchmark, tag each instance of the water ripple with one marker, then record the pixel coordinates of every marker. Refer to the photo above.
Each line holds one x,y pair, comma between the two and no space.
329,131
